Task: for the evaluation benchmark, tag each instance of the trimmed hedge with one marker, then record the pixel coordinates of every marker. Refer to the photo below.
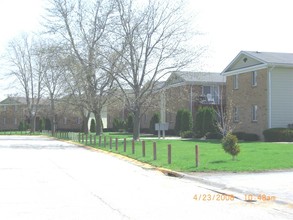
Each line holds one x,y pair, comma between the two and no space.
186,134
278,135
214,135
246,136
239,135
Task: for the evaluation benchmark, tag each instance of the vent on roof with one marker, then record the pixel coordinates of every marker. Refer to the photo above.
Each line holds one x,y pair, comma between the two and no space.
244,60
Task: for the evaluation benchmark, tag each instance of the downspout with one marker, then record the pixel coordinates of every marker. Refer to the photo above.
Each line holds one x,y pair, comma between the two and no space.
270,95
191,98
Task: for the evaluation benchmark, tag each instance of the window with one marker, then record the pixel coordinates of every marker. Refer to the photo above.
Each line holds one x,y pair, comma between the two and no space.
4,121
235,82
206,90
15,108
65,120
15,121
211,93
78,120
4,108
254,113
253,78
235,114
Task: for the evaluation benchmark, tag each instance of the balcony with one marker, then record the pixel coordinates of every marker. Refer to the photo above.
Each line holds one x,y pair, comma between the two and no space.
209,99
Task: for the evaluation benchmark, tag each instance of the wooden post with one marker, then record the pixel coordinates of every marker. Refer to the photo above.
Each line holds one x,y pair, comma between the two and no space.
110,142
169,154
95,140
116,144
86,139
196,156
82,138
133,147
155,150
100,141
124,145
91,139
105,141
143,148
78,137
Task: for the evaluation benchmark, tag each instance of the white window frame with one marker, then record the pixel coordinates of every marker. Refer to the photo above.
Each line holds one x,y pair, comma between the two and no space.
235,82
254,78
254,113
235,114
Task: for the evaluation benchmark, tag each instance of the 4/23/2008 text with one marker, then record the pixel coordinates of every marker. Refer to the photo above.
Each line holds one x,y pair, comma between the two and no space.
213,197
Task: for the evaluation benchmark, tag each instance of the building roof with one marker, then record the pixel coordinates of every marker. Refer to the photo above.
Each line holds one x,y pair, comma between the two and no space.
19,101
13,101
252,60
196,78
272,58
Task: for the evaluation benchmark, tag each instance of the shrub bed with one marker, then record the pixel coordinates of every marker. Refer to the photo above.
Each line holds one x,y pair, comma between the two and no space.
278,135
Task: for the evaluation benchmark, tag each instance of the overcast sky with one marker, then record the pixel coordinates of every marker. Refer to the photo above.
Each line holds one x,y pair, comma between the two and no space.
228,26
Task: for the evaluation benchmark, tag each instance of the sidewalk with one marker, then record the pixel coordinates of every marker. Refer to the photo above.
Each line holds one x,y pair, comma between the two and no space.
273,186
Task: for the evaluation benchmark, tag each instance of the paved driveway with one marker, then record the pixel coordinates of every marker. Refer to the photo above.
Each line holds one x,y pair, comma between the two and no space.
42,178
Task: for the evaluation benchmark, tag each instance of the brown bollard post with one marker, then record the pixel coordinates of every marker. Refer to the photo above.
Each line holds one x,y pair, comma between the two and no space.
155,150
110,142
105,141
116,142
133,147
82,138
79,137
143,148
169,154
100,141
196,156
91,139
124,145
95,140
86,139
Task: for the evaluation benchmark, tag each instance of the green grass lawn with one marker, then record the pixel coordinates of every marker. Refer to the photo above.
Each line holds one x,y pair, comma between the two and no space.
254,156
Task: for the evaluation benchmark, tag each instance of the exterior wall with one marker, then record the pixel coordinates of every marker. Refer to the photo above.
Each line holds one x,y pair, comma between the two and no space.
178,97
281,97
245,97
11,116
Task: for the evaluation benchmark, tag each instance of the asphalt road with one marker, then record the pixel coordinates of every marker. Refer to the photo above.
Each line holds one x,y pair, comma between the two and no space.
41,178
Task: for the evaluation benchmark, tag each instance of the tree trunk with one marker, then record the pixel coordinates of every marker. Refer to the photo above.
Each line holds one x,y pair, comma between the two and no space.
99,128
53,119
53,125
85,119
136,124
33,123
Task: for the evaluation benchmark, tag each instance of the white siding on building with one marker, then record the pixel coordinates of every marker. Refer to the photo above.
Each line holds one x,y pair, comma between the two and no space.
281,97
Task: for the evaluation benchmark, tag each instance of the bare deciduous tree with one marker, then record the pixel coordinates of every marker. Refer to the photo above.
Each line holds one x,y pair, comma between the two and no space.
26,67
83,25
51,58
151,38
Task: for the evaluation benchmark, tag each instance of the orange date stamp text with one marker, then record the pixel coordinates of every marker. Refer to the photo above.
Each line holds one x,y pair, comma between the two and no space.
213,197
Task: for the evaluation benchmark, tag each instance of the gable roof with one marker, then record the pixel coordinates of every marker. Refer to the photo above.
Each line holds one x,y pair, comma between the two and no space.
13,101
251,60
195,78
20,101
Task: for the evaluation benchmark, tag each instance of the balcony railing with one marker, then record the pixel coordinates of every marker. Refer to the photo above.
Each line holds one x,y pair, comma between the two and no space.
209,99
